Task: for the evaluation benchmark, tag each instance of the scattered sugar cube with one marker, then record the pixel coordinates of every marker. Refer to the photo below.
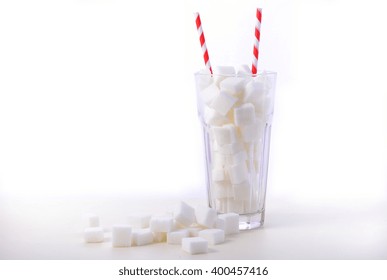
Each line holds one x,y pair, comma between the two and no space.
159,237
213,236
205,216
233,85
161,224
209,93
229,222
142,237
93,235
121,235
175,237
245,114
217,174
195,245
242,191
223,102
93,220
185,214
225,134
238,173
139,220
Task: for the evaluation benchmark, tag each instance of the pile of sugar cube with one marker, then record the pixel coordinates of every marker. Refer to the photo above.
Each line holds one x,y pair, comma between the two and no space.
235,107
192,228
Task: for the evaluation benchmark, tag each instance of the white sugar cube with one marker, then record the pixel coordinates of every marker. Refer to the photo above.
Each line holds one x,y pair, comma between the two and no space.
142,237
159,237
217,174
212,117
244,114
223,102
161,224
195,245
252,132
223,189
175,237
93,220
242,191
205,216
121,236
94,235
184,214
225,134
229,222
213,236
233,85
218,160
238,157
230,149
238,173
254,93
221,72
209,93
139,220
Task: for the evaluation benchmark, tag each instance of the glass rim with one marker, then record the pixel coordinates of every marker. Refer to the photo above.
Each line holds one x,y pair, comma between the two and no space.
260,73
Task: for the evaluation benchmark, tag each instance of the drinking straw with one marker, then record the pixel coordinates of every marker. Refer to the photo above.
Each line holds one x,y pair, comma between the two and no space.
256,41
203,42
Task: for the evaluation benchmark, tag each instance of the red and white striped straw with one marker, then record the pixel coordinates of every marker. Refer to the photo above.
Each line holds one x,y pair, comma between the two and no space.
203,42
256,42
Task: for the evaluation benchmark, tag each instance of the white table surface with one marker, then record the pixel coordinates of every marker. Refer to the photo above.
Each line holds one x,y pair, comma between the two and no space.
51,228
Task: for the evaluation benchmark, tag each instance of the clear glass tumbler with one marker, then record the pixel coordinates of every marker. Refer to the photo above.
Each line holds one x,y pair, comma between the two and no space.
236,114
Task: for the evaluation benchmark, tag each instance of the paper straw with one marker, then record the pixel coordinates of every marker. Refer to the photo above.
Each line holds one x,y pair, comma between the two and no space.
203,42
256,41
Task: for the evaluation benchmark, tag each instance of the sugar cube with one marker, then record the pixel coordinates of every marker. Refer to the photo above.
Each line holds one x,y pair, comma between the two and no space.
142,237
185,214
238,173
161,224
223,102
205,216
242,191
121,236
245,114
229,222
94,235
209,93
233,85
195,245
217,174
225,134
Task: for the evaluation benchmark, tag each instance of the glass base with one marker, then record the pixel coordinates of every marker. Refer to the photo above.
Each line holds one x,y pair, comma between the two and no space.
251,221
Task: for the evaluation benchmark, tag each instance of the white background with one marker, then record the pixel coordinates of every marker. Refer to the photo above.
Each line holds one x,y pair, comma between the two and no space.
97,99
